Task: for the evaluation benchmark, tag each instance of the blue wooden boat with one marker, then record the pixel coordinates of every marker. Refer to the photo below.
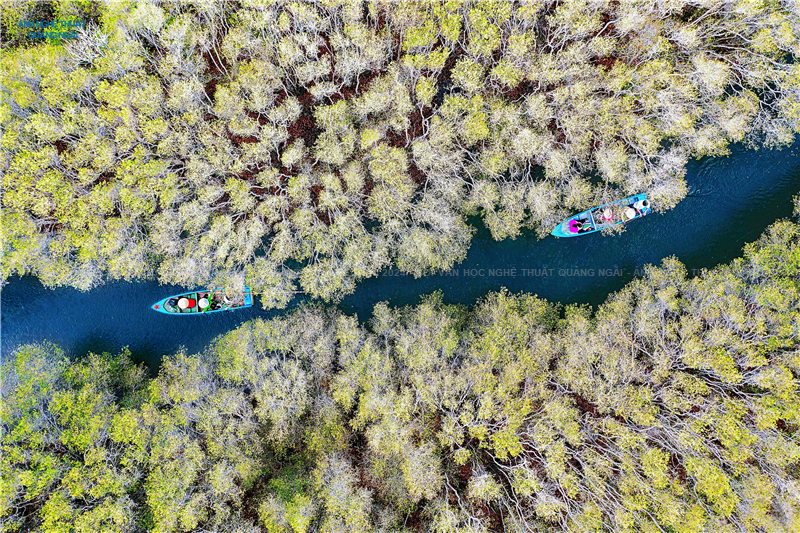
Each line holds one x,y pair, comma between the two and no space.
598,218
189,303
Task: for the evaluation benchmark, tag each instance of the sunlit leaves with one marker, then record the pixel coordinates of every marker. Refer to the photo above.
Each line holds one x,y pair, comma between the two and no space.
157,143
468,75
390,197
673,407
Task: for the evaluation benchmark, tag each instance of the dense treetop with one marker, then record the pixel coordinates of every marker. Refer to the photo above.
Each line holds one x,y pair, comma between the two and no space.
304,146
675,407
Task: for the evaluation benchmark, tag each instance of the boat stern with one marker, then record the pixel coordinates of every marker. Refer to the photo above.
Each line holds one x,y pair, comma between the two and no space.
159,306
560,230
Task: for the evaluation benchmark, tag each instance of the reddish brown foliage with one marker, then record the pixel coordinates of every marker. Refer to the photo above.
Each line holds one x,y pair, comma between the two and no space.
214,62
368,186
213,71
414,520
306,98
381,22
560,137
585,406
446,75
415,129
522,89
222,200
238,141
495,522
261,192
326,49
397,140
323,216
305,128
396,46
356,87
417,175
606,62
315,190
256,116
678,469
211,87
417,119
61,146
607,28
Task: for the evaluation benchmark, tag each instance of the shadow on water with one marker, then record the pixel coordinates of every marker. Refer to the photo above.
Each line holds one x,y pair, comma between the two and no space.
732,201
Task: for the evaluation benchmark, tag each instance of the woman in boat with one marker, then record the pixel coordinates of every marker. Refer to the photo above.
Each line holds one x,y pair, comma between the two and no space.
637,209
579,225
607,215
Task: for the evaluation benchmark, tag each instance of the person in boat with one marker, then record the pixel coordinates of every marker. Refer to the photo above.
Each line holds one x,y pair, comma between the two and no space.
185,303
581,225
607,215
637,209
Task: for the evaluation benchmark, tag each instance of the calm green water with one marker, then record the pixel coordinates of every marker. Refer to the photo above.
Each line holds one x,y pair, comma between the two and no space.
733,200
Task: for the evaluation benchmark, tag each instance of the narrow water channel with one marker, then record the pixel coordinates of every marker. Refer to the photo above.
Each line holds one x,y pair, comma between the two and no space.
732,201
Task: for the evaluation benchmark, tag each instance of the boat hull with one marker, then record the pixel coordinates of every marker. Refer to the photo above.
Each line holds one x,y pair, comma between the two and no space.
562,229
238,301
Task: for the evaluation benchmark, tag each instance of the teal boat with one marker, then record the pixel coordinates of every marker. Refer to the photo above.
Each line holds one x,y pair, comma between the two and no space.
605,216
203,302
